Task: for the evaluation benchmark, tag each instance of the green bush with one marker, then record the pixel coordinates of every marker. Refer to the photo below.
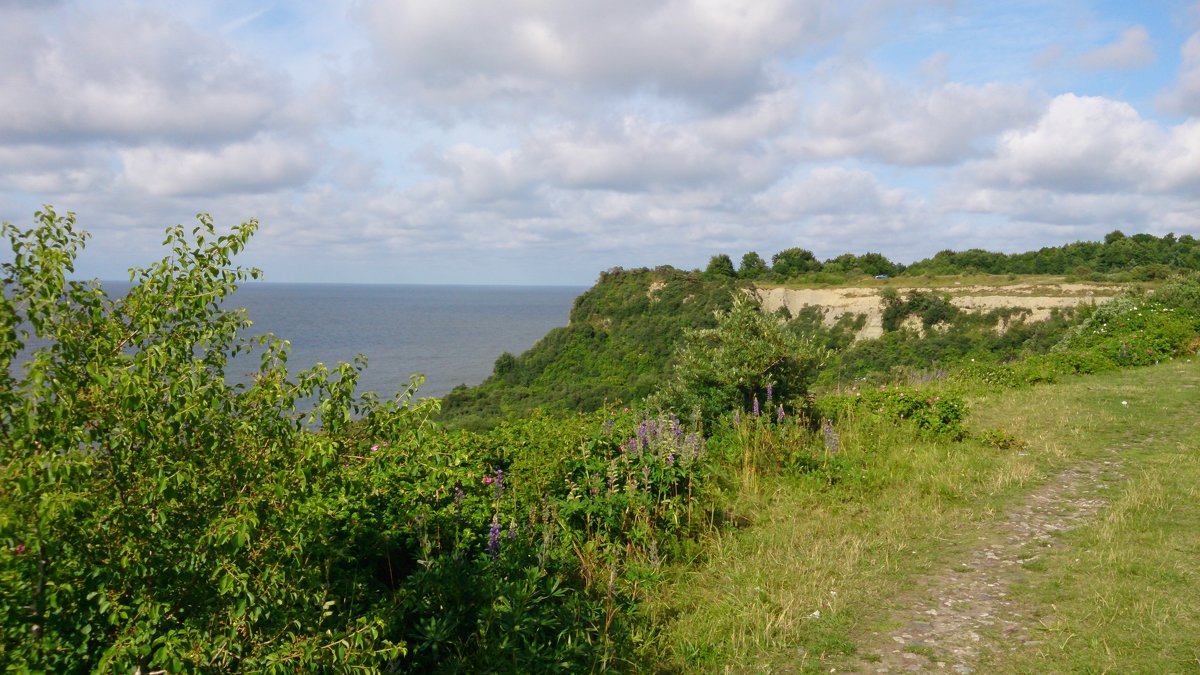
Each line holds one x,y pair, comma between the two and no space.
730,366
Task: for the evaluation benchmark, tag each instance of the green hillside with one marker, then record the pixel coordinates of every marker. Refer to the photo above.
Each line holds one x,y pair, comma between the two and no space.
617,347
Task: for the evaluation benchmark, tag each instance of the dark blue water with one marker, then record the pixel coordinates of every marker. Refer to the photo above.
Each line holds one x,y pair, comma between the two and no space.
450,334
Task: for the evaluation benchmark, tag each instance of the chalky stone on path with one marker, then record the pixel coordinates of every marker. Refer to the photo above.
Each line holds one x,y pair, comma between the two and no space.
964,611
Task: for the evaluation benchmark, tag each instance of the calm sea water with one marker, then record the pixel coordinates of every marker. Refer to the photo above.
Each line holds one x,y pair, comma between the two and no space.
451,334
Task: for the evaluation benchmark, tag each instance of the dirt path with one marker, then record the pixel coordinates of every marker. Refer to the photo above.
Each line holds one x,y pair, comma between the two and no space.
964,610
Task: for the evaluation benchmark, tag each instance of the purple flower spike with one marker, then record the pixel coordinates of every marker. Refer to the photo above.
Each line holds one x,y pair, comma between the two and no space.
756,411
770,391
737,418
780,415
494,540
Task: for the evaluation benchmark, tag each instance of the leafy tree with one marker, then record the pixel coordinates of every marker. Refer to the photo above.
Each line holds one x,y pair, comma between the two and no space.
753,266
152,516
720,265
794,262
723,368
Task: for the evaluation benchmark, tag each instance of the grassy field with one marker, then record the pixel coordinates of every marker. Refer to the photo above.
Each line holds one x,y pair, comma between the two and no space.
823,563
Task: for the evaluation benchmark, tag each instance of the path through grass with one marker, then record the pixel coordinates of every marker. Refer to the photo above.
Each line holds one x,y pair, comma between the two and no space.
823,569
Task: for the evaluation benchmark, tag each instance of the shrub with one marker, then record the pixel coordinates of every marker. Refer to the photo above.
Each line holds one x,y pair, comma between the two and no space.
727,367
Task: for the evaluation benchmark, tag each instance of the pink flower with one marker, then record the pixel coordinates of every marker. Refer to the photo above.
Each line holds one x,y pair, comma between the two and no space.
374,448
487,480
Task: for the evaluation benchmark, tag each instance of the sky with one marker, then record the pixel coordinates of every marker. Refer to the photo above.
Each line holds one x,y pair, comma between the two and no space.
542,142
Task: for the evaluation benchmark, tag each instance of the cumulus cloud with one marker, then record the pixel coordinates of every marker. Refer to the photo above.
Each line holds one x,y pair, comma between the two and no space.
1130,51
258,165
126,74
1184,96
861,113
1089,144
709,53
1088,164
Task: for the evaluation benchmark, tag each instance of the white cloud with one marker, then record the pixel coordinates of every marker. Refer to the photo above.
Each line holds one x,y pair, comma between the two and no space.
1184,96
701,51
126,74
1089,164
861,113
258,165
1130,51
1092,144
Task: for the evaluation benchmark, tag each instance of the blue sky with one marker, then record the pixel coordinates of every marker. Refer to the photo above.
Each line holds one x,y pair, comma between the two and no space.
538,142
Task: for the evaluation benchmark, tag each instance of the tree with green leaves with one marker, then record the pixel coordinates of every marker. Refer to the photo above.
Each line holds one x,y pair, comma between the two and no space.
753,266
793,262
720,265
724,368
154,517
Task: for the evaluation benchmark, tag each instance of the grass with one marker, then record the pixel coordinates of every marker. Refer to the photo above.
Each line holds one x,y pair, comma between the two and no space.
821,565
1123,593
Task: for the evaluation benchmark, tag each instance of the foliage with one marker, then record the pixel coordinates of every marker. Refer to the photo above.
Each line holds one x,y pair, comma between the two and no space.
931,308
617,347
753,266
793,262
745,354
928,411
1140,256
720,266
154,516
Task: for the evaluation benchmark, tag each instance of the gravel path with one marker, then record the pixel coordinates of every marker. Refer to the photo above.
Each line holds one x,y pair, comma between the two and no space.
964,610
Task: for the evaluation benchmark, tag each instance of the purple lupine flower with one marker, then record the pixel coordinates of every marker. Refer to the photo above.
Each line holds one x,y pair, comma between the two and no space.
608,426
494,539
671,459
831,437
643,433
498,483
512,531
756,411
737,418
779,417
459,495
770,391
633,447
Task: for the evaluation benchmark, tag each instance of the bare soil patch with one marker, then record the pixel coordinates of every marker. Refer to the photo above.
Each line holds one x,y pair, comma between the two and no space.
1038,300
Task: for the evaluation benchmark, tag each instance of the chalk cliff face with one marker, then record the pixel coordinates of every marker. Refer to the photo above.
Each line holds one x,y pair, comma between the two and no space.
1036,300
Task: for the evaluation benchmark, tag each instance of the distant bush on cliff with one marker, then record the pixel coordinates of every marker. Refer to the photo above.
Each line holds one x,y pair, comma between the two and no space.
617,347
1138,257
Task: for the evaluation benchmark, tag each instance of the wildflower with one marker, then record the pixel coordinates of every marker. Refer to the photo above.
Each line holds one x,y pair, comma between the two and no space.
494,539
459,495
737,418
770,391
832,440
756,406
374,448
20,549
487,480
779,417
671,459
512,531
498,483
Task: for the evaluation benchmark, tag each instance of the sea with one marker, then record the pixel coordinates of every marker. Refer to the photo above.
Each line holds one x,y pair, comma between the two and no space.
451,334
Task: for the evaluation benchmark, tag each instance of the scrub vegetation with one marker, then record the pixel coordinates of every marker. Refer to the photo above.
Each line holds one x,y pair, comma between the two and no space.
676,481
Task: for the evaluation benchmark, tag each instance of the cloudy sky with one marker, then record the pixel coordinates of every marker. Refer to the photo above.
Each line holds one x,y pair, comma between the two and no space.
540,142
